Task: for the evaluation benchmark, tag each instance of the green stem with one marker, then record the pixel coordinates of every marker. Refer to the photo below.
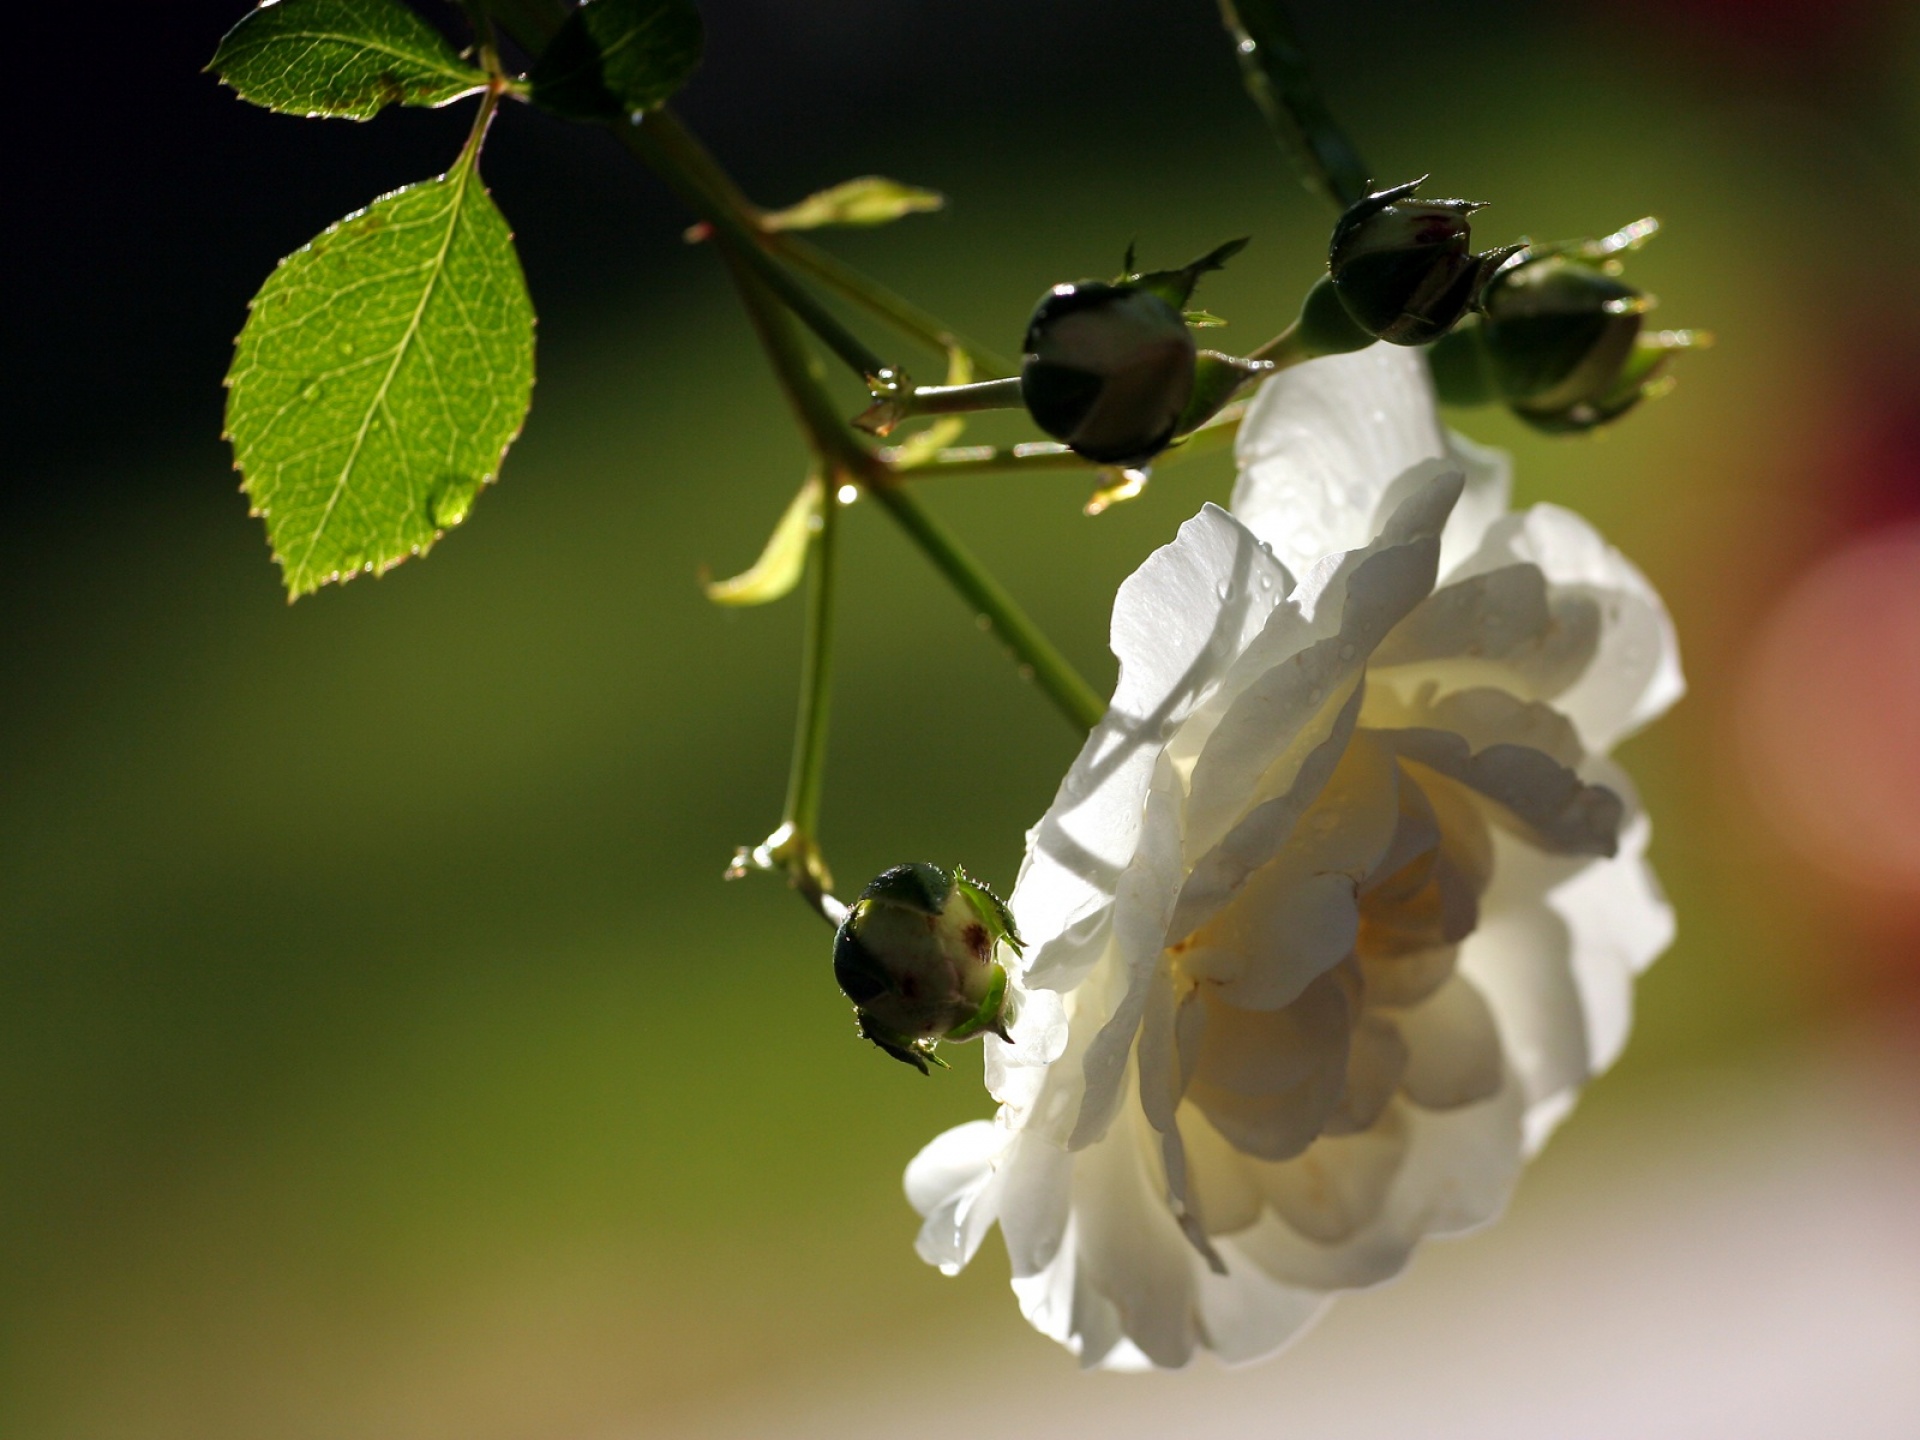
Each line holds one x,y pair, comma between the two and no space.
1286,349
896,310
1274,66
807,780
1039,660
1003,459
664,144
963,399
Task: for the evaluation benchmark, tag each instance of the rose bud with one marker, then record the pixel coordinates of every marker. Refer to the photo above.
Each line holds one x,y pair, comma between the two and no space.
1109,370
1564,343
1403,267
915,954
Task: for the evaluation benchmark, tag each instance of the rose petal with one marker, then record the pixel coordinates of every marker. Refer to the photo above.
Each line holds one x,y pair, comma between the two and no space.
1269,1079
1322,442
1548,800
1131,1251
1144,897
1248,1316
1458,1173
1520,960
1635,672
1376,1059
1177,622
952,1181
1219,1183
1340,1184
1034,1202
1504,627
1453,1048
1274,723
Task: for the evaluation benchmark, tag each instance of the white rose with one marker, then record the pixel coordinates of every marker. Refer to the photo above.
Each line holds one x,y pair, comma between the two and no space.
1339,906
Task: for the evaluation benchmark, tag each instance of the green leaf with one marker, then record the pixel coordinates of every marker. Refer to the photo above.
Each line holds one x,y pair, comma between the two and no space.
1176,286
383,370
614,58
350,58
783,561
869,200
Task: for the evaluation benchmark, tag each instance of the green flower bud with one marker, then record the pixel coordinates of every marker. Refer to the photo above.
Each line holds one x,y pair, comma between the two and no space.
1403,267
1558,330
1561,338
1109,370
915,954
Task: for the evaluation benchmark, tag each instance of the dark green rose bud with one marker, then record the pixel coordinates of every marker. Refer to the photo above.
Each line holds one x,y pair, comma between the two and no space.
1405,268
915,954
1109,370
1563,339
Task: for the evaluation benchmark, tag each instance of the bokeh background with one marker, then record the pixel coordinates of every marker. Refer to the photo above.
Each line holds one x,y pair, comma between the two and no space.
380,1052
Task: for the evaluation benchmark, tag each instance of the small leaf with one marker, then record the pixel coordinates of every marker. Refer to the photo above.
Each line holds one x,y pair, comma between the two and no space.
615,58
870,200
349,58
918,449
1202,319
1176,286
383,370
783,561
1117,486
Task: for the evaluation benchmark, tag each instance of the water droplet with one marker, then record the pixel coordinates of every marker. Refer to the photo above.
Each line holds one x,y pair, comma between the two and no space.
984,622
847,494
1224,590
1347,651
451,501
1026,672
1313,694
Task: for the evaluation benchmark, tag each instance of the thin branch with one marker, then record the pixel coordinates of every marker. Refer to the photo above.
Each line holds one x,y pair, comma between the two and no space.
1274,66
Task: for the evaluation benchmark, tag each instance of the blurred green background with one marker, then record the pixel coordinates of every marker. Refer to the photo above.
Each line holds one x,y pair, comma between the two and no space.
380,1051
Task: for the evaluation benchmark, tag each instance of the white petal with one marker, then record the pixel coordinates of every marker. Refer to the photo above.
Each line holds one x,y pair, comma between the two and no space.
1129,1247
1034,1202
1410,978
1143,899
1269,1079
1458,1172
1619,907
1219,1181
1178,622
1488,494
1618,923
1341,1183
1635,673
1521,961
953,1183
1453,1048
1504,627
1548,800
1248,1316
1376,1061
1481,715
1322,442
1283,713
